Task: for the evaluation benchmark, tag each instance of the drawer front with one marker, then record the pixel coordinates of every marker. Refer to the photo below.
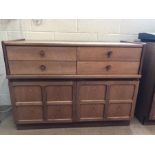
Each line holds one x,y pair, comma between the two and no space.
102,53
107,67
42,67
41,53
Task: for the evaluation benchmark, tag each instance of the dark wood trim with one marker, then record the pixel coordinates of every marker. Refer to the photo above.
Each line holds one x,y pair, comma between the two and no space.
134,99
78,84
74,104
5,58
106,101
73,76
44,99
142,59
73,125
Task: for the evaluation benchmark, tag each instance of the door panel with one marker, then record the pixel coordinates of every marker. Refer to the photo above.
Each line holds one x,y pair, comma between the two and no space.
27,93
59,100
121,100
28,103
91,100
91,111
59,93
122,92
29,114
119,111
59,112
92,92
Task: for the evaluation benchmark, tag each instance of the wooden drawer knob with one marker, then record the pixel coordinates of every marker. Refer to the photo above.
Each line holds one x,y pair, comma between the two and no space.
109,53
108,67
42,53
43,67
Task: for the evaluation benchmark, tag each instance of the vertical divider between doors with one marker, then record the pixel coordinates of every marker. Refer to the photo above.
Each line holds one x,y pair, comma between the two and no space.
74,115
76,58
77,101
106,101
44,98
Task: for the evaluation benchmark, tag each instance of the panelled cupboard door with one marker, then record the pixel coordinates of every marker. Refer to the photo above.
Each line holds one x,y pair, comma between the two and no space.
121,100
28,103
91,100
59,101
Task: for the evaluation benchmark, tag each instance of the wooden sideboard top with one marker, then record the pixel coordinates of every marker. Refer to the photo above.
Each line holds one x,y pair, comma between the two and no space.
71,43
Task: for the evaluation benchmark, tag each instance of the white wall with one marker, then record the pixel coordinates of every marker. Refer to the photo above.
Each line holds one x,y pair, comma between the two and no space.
69,30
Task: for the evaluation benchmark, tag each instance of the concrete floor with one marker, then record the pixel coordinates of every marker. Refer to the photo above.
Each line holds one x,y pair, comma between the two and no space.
7,127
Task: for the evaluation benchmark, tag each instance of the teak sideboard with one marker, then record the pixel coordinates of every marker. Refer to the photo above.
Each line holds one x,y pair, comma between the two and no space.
73,82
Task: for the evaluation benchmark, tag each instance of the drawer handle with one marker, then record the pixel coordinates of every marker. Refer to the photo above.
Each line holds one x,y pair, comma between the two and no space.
109,53
108,67
42,53
43,67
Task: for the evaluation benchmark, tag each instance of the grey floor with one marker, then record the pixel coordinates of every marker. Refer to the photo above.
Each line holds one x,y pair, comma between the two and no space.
7,127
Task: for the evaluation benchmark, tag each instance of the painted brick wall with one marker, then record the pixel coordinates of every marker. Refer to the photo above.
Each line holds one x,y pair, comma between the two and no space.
68,30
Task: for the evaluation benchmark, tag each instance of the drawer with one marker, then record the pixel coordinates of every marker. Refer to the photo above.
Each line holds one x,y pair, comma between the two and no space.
107,67
103,53
41,53
42,67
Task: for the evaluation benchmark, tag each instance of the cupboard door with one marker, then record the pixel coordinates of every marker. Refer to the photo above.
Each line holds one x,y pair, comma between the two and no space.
59,100
91,100
122,96
28,103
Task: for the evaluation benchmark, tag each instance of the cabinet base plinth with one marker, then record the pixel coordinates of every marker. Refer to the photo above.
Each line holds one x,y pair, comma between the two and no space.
71,125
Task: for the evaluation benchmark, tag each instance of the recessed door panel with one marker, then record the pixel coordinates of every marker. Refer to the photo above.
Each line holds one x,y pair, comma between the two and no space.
59,101
91,100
